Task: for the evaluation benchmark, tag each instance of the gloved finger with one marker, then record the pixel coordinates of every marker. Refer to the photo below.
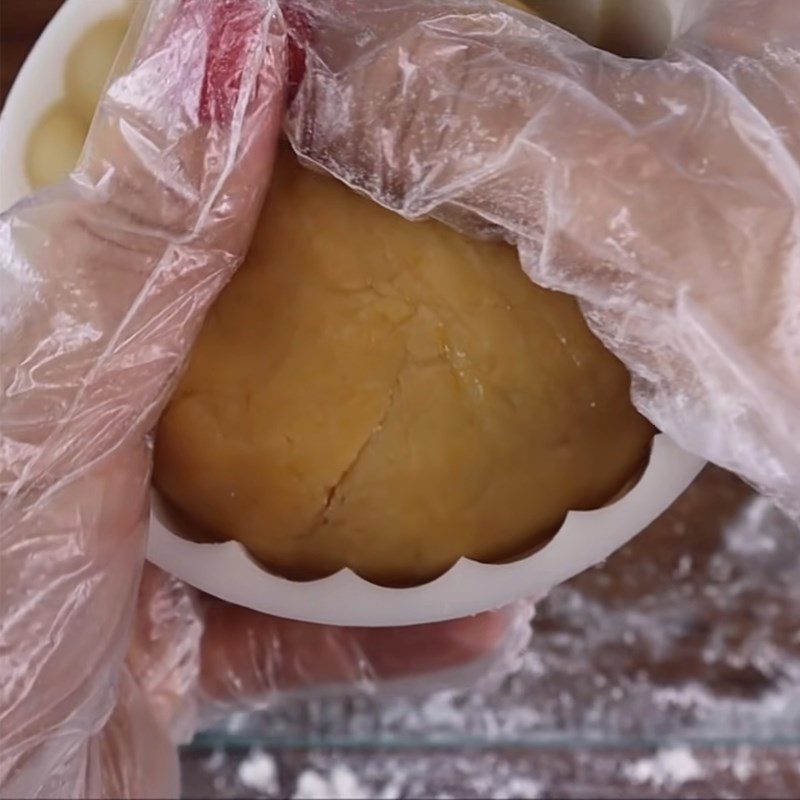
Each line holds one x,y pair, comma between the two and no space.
70,570
131,756
247,656
658,193
109,274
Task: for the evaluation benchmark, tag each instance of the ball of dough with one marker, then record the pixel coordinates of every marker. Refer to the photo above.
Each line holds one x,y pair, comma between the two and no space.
90,62
389,396
55,146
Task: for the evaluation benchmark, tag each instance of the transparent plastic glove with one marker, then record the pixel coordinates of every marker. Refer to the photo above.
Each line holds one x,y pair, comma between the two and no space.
664,194
105,280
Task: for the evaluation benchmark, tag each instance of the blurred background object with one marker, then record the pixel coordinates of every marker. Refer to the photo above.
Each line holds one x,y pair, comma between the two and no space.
672,670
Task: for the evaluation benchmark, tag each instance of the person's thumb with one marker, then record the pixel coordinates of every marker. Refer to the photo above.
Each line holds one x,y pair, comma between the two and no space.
108,275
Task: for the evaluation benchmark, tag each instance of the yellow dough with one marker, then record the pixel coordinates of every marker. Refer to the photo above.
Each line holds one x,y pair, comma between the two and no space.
55,146
389,396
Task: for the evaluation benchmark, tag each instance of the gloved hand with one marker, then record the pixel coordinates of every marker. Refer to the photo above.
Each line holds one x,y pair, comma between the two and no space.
664,194
105,280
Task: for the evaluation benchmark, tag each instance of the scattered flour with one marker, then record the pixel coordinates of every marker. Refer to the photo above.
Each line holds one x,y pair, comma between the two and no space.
260,772
216,761
519,788
390,777
668,768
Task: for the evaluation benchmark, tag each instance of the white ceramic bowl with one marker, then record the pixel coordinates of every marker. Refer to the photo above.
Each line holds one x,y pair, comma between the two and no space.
226,570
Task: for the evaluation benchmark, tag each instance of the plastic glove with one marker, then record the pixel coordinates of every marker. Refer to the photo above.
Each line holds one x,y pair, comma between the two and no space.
105,280
664,194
